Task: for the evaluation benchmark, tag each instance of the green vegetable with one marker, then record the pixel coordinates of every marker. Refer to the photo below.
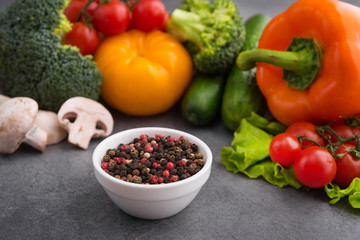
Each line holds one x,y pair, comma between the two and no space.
352,192
242,95
33,62
201,102
249,153
213,32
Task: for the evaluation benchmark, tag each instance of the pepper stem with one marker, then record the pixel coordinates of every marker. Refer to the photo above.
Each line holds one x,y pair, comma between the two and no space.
301,62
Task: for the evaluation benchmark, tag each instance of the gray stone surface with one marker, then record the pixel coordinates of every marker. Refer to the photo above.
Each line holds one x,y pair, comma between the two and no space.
54,195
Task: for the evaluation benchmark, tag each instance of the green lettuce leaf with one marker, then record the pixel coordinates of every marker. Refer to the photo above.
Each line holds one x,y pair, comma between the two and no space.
250,152
352,192
249,155
272,128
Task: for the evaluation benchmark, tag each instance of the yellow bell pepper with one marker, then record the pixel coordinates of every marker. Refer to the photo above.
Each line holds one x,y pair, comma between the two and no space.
143,73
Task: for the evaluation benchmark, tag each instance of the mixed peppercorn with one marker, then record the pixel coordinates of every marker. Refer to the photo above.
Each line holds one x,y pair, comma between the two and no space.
153,160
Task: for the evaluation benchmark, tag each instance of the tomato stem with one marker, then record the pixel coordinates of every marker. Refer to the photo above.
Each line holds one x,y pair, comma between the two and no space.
333,146
82,12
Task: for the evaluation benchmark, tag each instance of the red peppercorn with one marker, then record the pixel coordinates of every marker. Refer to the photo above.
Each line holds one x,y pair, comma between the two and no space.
104,165
148,149
143,137
124,147
160,180
117,160
155,145
169,165
166,173
155,165
123,161
174,178
143,160
154,179
159,135
182,163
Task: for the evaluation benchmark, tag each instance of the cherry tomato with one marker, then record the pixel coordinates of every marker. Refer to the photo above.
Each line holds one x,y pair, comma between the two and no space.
315,167
284,148
343,131
165,21
308,130
87,39
91,8
348,166
73,9
111,18
149,15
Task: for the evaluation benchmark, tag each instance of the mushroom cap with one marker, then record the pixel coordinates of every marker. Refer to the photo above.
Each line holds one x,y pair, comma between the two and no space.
3,98
17,119
48,121
84,119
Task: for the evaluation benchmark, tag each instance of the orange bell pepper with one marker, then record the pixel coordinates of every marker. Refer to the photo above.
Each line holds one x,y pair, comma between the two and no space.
143,73
321,76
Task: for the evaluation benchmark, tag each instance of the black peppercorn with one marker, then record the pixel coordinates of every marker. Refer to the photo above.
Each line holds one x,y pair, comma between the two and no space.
183,176
146,159
173,171
163,162
123,173
148,164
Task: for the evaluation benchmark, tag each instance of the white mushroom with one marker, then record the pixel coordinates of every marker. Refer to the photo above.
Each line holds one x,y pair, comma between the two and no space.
48,121
84,119
17,125
3,98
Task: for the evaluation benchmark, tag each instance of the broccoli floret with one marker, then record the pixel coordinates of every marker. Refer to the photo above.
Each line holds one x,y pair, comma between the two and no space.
33,61
212,32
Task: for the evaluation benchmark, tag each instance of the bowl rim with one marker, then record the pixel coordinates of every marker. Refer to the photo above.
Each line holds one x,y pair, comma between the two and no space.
135,131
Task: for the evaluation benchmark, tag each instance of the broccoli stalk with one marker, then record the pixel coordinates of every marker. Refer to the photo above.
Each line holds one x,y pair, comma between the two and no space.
33,61
188,26
213,32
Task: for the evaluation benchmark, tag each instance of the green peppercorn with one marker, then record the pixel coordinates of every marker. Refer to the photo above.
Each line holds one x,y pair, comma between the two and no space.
134,152
112,163
200,162
111,152
106,158
137,179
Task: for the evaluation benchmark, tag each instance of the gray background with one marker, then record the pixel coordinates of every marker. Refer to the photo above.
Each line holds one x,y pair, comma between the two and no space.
54,195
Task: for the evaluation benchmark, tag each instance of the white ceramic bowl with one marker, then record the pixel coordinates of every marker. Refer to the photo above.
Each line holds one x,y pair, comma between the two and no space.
151,201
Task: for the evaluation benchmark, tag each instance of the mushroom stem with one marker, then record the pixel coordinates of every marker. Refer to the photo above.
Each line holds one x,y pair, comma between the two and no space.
80,133
49,122
36,138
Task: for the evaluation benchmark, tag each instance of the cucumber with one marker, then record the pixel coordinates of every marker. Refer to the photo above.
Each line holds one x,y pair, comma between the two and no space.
241,94
202,101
